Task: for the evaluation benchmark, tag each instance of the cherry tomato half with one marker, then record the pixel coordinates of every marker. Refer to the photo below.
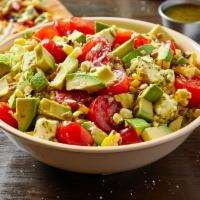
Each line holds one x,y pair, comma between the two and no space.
63,27
47,32
140,40
129,136
6,116
96,51
55,50
122,86
79,97
193,86
101,110
82,25
122,37
74,134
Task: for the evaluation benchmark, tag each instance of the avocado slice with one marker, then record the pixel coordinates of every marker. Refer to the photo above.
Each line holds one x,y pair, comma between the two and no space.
108,33
28,60
12,101
5,64
155,132
143,50
39,81
125,99
83,81
145,110
99,26
4,88
127,58
176,124
54,110
77,36
97,134
26,110
88,125
44,60
152,93
181,61
104,74
45,128
165,53
146,49
138,124
123,49
159,32
69,65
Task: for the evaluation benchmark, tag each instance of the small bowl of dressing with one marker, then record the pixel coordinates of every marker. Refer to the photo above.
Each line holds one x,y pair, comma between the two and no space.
183,16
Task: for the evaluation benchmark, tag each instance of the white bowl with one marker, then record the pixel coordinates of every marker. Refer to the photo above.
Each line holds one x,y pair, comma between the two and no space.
107,159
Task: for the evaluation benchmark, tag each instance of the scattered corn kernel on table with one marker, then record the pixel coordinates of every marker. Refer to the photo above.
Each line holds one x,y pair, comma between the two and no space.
175,177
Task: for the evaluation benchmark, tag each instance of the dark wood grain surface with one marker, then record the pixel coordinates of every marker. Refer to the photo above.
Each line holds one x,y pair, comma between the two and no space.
177,176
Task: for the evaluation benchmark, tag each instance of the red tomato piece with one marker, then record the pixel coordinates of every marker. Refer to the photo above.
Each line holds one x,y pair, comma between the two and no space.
171,44
193,86
122,86
63,27
74,134
55,50
122,37
86,48
80,97
101,110
140,40
129,136
6,116
82,25
47,32
96,51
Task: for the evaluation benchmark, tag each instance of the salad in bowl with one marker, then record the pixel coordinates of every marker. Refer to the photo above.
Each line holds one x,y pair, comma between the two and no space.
84,82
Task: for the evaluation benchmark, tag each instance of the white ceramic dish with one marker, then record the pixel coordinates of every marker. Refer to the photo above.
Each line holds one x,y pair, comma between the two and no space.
108,159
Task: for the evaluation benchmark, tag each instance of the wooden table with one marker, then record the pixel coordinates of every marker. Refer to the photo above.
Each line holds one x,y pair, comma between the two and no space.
175,177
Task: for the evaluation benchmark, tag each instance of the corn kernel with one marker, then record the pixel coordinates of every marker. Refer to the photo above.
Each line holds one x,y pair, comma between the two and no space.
126,113
20,41
68,49
76,114
19,93
117,119
77,51
196,113
83,109
136,76
135,83
113,139
86,66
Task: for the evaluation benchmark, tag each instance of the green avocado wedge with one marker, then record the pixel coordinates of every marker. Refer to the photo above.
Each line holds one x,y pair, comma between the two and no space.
138,124
145,110
5,64
44,60
69,65
123,49
54,110
99,26
26,110
143,50
83,81
152,133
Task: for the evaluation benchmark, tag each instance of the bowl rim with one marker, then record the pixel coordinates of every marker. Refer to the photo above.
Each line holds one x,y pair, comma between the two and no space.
167,4
112,149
